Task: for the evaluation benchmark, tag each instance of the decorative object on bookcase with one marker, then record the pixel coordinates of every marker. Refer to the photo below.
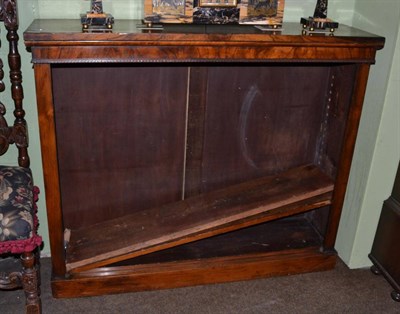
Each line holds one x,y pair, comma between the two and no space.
320,20
269,12
96,19
215,12
168,11
262,12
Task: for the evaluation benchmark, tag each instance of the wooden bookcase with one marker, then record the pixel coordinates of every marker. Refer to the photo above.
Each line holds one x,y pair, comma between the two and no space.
196,154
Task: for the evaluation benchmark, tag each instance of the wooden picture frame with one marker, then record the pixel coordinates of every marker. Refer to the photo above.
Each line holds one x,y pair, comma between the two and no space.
168,11
259,12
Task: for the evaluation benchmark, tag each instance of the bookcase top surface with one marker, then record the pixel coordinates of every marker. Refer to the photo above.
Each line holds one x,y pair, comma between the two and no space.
64,31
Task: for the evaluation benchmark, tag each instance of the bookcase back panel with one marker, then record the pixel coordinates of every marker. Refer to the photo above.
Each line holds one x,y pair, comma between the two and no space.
254,121
120,151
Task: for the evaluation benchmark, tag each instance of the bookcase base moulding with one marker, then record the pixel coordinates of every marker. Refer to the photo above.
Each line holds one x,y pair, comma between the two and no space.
195,154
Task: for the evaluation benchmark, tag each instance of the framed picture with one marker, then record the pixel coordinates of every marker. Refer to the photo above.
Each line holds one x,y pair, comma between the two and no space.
218,3
168,11
261,12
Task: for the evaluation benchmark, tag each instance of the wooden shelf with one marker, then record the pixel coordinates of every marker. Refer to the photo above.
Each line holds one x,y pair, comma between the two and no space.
291,233
294,191
281,247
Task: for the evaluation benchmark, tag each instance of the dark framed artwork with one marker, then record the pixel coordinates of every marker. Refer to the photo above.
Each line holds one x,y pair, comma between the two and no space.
216,12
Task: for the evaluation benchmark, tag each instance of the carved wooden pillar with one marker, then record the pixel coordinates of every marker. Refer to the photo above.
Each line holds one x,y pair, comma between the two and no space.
29,278
19,132
4,129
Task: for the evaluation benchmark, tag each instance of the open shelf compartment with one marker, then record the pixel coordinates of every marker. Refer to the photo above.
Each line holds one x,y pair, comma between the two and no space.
285,246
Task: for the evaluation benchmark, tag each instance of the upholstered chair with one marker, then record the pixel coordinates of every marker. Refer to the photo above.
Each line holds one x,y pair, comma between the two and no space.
18,195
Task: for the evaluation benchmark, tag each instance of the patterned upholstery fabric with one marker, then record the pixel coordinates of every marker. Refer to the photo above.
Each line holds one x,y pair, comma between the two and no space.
18,220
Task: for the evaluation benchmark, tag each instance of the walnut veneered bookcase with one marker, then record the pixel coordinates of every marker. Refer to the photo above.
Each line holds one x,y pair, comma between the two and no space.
194,154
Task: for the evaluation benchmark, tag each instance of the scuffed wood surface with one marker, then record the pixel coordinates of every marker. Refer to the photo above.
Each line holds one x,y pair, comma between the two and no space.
198,217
